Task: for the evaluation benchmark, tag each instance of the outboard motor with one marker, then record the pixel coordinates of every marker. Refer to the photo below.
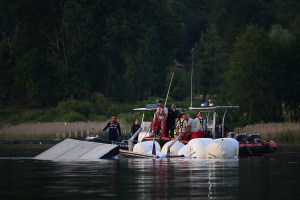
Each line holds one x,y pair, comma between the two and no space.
241,137
253,138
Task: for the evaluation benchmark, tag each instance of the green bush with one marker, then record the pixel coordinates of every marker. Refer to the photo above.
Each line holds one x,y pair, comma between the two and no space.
97,117
31,115
72,117
87,109
129,117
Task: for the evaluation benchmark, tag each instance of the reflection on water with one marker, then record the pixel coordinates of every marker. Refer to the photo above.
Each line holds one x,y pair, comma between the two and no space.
271,177
185,178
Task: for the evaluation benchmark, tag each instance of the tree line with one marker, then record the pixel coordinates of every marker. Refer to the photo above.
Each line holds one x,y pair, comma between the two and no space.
241,52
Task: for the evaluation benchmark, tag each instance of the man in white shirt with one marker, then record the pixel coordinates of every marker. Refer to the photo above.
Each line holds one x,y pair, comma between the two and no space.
192,127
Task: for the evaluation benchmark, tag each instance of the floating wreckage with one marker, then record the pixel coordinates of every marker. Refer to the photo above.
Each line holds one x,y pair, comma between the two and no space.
77,150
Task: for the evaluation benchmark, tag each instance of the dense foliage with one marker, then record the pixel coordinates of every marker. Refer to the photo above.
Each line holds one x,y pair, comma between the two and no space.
244,52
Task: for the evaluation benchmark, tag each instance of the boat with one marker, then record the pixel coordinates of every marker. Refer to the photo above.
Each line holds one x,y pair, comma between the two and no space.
240,145
253,145
176,147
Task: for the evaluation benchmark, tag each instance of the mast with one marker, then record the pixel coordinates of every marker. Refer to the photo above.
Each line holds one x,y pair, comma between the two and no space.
192,71
169,89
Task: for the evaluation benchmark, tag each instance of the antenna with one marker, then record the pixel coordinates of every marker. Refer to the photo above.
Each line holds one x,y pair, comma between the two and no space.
192,71
169,89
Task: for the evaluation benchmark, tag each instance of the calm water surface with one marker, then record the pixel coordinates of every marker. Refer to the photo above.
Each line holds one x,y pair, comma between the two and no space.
269,177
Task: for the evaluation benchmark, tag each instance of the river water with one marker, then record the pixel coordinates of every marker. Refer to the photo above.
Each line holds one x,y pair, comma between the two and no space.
270,177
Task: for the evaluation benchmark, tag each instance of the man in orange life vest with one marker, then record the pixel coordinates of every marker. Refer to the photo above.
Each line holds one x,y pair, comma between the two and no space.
159,119
181,127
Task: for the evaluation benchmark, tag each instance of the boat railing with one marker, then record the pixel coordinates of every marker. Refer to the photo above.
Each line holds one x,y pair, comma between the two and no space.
172,143
130,141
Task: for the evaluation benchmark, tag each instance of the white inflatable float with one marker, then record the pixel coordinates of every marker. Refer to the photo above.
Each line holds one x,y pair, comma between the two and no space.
174,148
196,148
183,151
222,148
207,148
145,147
199,148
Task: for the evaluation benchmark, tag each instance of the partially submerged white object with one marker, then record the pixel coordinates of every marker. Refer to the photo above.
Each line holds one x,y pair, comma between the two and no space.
77,150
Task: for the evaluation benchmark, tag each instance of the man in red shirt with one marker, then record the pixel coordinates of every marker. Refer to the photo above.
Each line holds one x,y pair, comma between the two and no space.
114,129
159,119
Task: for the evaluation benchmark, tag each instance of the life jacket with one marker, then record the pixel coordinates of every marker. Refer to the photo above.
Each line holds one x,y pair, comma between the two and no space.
113,125
182,124
200,117
200,122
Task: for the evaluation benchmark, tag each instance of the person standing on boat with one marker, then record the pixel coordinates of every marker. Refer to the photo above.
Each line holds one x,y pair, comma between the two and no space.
135,126
171,120
160,118
181,127
192,130
200,125
114,129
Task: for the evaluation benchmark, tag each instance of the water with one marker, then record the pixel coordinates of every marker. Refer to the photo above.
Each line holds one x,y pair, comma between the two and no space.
269,177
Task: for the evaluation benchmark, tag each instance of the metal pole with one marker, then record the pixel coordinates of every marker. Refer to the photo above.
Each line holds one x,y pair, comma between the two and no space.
223,122
130,141
169,89
214,126
172,143
192,71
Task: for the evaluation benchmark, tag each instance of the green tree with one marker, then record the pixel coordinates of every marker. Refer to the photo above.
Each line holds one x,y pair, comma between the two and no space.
286,61
251,77
35,79
143,37
233,16
210,64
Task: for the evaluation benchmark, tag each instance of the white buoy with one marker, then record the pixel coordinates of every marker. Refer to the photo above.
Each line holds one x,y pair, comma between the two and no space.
196,148
222,148
174,148
144,147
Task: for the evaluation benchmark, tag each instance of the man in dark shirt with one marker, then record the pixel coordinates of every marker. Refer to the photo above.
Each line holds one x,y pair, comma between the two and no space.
171,120
114,129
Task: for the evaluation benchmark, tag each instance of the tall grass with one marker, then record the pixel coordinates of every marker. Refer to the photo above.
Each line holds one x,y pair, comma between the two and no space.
56,130
280,132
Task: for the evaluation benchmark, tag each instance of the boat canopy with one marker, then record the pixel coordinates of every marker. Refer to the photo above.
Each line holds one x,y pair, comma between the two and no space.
211,108
148,107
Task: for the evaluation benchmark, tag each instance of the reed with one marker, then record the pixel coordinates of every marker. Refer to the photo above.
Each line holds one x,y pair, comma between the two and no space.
280,132
56,130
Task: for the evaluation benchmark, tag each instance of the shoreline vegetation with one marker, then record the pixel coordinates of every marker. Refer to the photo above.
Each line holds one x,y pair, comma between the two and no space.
78,119
44,131
284,132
